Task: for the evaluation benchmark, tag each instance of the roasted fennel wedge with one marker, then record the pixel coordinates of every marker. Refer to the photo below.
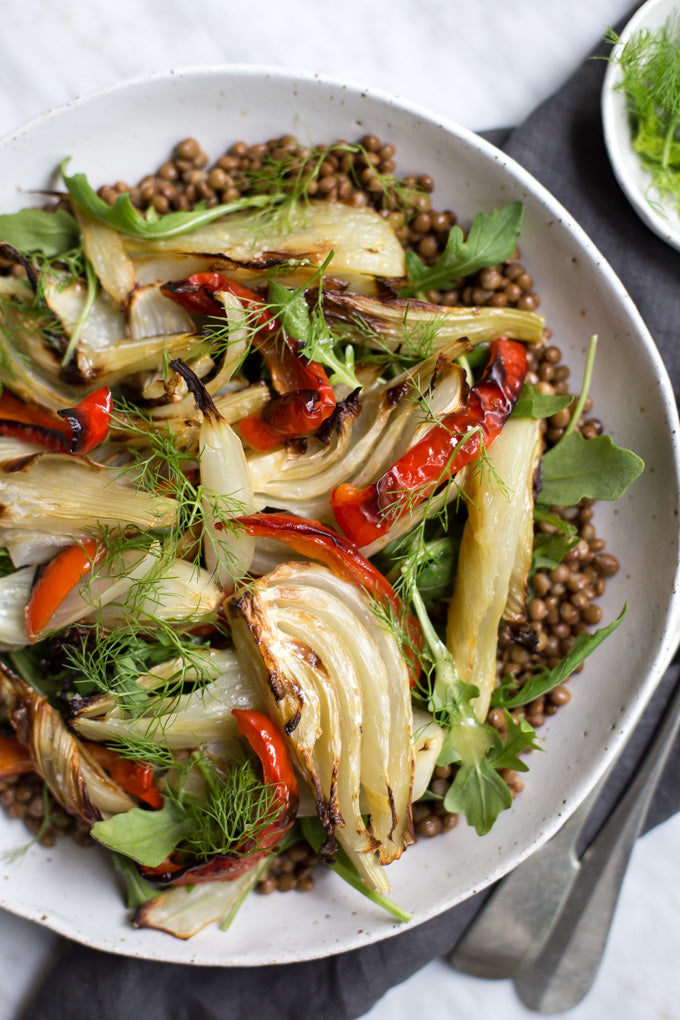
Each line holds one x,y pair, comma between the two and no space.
332,673
495,554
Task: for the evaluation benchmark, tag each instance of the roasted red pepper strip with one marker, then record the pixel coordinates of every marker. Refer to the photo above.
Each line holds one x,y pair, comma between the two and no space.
88,421
15,758
268,743
55,581
196,294
258,434
219,868
294,413
135,777
341,556
305,397
162,871
12,409
366,514
84,426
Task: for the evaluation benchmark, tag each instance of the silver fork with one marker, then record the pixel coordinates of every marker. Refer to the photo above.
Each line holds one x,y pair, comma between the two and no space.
547,923
514,923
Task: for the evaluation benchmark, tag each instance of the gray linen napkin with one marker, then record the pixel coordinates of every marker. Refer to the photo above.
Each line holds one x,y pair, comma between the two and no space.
561,144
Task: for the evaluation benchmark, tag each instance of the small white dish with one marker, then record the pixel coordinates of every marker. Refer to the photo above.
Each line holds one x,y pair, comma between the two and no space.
125,131
659,214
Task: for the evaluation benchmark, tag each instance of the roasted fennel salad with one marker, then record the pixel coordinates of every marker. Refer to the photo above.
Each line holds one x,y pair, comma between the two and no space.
297,541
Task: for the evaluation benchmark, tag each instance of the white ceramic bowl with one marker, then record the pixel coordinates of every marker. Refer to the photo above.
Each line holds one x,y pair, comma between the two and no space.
660,214
128,130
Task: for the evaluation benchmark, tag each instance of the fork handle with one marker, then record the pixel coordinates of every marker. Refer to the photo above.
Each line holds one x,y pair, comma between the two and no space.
562,973
517,917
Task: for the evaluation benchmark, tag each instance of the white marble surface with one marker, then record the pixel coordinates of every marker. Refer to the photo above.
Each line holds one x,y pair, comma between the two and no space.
482,64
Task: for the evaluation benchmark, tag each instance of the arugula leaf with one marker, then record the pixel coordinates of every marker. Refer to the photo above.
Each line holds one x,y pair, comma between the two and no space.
318,343
579,468
123,217
147,837
137,890
464,742
291,309
492,239
36,230
521,736
534,404
479,793
477,790
6,565
507,696
549,550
